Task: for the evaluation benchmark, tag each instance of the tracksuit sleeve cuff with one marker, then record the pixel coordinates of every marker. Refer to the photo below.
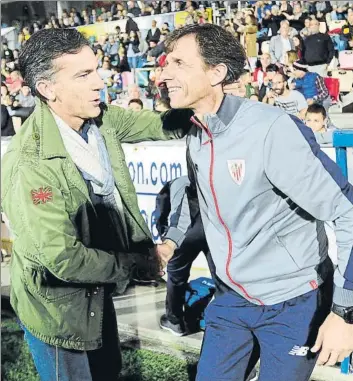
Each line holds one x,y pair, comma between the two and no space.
343,297
175,235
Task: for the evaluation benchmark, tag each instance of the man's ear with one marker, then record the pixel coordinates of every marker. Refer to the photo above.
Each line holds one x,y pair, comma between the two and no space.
217,74
46,90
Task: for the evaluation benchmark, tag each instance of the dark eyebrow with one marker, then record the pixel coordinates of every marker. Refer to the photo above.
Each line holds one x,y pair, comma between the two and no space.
86,71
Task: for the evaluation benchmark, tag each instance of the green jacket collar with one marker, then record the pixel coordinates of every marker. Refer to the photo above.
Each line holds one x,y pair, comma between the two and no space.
51,143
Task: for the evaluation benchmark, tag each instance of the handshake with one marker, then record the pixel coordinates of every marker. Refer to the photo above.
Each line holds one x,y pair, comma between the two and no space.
149,268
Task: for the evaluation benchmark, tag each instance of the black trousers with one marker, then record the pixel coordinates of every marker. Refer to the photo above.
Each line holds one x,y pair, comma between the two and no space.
178,270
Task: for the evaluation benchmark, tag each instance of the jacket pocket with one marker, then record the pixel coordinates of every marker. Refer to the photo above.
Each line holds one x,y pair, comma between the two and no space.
41,283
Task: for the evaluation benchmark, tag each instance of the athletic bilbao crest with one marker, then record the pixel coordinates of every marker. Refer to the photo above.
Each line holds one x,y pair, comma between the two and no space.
237,170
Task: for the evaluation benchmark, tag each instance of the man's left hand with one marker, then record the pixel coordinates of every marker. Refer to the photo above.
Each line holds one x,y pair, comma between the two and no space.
335,339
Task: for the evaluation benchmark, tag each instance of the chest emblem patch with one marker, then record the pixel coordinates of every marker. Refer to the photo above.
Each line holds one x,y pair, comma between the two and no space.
237,170
42,195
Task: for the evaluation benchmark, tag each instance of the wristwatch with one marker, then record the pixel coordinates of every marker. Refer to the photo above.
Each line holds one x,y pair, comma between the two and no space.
346,313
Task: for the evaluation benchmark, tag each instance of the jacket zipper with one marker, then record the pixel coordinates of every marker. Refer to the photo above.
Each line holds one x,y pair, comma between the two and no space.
214,196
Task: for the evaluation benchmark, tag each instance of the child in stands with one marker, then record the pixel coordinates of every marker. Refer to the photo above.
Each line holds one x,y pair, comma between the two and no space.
316,119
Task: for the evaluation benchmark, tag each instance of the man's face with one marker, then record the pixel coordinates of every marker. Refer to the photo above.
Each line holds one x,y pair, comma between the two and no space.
154,24
285,30
25,91
76,85
134,92
135,106
315,121
307,23
271,75
265,60
314,26
186,75
297,9
278,85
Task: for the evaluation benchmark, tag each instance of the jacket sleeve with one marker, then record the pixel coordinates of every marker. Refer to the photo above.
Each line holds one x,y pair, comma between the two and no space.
134,127
180,215
180,218
296,166
50,236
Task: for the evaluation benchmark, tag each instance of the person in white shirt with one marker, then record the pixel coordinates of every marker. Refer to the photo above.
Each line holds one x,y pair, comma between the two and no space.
290,101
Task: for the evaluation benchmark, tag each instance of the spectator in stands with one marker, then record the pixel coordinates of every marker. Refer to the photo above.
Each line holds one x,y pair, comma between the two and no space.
286,8
260,72
111,47
273,22
26,33
296,20
290,101
318,49
316,119
105,71
311,85
133,9
135,104
347,33
14,83
291,57
165,28
250,31
271,71
299,45
157,49
25,97
245,81
131,25
281,44
6,52
154,33
305,32
133,51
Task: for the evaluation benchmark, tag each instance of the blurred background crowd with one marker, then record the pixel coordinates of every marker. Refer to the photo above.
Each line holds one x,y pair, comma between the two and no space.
299,53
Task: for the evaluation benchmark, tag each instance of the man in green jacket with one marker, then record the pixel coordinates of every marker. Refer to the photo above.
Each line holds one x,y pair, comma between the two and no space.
73,210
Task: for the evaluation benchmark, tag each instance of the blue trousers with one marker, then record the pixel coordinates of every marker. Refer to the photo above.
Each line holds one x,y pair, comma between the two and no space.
59,364
284,332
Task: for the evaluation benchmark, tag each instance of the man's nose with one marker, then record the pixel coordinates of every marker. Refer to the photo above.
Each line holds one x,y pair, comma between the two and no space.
98,83
165,75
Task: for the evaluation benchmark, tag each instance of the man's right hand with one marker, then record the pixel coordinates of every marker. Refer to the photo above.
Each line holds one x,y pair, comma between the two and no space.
165,251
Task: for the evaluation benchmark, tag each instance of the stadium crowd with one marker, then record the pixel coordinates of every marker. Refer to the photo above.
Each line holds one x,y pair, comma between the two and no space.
298,53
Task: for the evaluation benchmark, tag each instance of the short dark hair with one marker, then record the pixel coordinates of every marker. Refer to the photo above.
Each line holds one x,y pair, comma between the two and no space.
272,68
136,100
36,57
317,109
216,46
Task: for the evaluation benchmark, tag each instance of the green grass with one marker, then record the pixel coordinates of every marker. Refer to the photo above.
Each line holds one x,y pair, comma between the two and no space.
138,364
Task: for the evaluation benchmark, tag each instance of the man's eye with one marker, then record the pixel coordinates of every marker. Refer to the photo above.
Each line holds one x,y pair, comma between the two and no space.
85,75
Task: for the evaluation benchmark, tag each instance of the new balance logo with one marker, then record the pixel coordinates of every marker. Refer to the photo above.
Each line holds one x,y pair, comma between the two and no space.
299,351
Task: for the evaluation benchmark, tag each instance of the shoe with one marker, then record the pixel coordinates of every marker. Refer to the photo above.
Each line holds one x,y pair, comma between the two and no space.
253,376
175,329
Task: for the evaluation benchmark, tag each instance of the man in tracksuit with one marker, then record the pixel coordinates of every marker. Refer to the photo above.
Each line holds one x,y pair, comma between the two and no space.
265,189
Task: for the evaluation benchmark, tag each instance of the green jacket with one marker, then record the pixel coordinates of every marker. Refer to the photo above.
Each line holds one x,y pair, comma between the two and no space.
57,282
